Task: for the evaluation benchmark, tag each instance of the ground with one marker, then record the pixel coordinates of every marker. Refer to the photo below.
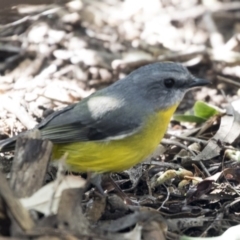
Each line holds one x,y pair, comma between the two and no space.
53,54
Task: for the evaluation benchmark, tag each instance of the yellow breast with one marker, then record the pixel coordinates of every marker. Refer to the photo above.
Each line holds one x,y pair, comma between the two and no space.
116,155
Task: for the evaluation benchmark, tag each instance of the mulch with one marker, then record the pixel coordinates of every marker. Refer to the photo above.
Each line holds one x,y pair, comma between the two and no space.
55,54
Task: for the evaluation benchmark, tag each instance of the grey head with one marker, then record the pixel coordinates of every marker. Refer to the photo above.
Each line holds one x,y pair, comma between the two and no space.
160,85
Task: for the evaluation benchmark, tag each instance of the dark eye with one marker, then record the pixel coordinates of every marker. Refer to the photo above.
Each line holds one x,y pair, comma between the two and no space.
169,82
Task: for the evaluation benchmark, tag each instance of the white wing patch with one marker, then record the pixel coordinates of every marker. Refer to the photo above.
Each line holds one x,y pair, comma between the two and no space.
122,136
100,105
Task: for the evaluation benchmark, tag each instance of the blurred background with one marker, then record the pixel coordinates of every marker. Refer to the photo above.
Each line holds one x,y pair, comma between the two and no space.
53,53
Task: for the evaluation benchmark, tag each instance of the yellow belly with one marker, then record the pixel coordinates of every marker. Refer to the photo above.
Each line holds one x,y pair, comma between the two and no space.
116,155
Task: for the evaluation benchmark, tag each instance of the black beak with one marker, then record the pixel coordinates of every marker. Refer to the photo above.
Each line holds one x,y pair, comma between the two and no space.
198,82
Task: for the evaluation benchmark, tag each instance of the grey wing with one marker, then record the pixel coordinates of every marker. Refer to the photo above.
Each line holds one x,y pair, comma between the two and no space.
81,123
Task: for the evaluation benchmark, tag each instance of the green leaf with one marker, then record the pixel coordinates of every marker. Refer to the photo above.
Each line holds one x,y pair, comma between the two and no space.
188,118
204,110
199,114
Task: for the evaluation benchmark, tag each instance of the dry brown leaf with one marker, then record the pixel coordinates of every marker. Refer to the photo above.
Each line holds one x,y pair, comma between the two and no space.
228,132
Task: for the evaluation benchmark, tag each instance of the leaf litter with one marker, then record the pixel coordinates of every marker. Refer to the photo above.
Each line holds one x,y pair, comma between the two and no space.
56,54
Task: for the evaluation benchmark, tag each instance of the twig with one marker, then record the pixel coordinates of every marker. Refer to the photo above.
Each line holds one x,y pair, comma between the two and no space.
216,38
189,139
164,164
18,22
186,55
233,42
169,141
168,194
148,184
30,18
204,168
199,10
172,142
228,80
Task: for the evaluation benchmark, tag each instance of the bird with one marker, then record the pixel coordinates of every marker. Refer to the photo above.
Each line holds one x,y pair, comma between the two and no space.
118,126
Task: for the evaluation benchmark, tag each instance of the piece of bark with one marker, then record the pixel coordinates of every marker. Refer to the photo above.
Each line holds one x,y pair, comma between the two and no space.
30,164
70,215
19,214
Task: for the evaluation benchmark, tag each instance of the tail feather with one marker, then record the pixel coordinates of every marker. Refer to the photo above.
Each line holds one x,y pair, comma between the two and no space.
8,144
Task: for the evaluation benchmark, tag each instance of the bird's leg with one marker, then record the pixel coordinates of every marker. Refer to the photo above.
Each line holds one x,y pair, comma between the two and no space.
96,180
122,194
